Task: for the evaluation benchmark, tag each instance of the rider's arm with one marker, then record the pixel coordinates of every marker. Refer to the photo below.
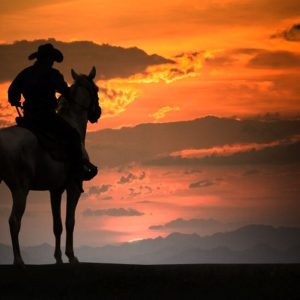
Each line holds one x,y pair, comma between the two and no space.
14,91
60,85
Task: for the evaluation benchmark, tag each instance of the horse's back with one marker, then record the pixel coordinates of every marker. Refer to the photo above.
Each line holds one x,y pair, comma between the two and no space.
17,143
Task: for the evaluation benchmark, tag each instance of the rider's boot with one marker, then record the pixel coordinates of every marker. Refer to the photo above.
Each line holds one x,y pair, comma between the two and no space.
89,170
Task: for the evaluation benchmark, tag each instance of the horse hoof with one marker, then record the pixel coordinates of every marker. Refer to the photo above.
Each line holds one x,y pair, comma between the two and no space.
74,260
19,263
59,261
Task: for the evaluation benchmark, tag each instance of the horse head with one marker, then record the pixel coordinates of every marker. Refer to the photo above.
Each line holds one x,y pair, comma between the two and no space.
90,103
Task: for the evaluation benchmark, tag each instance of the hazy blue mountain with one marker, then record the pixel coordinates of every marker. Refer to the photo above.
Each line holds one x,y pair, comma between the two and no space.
249,244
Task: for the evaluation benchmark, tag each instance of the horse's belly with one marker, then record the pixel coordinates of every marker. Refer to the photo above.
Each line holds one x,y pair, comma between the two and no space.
48,173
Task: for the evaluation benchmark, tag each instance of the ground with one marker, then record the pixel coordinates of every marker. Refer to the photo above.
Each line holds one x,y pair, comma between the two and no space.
112,281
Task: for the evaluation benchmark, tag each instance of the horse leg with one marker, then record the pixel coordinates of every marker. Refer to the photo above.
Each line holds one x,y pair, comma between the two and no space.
19,203
55,196
73,194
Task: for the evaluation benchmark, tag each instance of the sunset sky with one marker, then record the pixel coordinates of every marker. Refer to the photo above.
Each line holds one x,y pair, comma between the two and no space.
237,59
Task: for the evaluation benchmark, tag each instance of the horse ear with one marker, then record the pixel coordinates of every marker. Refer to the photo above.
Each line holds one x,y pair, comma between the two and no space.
74,74
92,74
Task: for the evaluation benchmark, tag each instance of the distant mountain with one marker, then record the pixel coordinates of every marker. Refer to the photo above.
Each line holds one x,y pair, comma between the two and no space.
148,142
249,244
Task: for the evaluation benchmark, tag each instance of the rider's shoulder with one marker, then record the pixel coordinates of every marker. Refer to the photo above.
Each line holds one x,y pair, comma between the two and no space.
25,72
56,72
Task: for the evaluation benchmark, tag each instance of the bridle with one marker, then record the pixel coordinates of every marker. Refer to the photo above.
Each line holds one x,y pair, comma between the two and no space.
93,109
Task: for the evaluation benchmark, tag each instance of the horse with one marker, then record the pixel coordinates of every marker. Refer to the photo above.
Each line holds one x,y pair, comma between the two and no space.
25,165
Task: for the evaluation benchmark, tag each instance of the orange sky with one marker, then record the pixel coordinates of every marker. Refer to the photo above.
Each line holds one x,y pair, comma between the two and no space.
222,83
232,58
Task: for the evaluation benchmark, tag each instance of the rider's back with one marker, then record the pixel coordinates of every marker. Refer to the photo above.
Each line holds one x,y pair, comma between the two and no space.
38,84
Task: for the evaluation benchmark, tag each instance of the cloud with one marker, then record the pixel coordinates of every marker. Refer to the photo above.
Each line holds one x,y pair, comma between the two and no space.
251,172
227,150
201,183
275,60
97,190
112,212
106,198
161,113
148,189
291,34
146,202
17,5
111,148
220,60
110,61
184,65
281,153
192,171
182,223
127,179
131,177
142,176
115,100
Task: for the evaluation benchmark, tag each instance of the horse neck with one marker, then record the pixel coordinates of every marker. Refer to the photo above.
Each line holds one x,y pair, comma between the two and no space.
73,111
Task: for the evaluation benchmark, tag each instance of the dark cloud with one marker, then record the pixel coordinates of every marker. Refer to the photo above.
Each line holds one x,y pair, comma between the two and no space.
107,146
147,189
201,183
192,171
251,172
110,61
127,179
142,176
285,153
182,223
247,51
16,5
106,198
97,190
291,34
221,60
112,212
275,60
133,193
131,177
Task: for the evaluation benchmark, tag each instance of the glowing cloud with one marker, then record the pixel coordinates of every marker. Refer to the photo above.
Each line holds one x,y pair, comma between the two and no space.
185,65
114,98
161,113
227,150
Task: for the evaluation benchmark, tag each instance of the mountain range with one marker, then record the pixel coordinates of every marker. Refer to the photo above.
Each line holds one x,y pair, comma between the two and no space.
248,244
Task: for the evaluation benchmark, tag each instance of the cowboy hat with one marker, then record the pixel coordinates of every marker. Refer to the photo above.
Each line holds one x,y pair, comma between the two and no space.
47,51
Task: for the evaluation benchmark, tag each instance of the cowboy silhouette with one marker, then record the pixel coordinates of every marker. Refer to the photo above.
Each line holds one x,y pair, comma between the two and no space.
38,84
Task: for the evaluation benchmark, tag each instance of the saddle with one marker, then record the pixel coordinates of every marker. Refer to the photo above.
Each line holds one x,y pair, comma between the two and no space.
47,139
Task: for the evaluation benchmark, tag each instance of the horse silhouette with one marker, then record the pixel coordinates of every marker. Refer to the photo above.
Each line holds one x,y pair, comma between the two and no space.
25,166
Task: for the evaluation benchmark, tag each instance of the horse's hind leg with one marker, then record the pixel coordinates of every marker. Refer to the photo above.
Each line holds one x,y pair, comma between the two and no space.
57,224
19,203
73,194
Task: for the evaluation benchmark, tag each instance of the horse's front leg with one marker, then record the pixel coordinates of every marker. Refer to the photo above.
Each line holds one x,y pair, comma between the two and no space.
55,196
73,194
19,203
